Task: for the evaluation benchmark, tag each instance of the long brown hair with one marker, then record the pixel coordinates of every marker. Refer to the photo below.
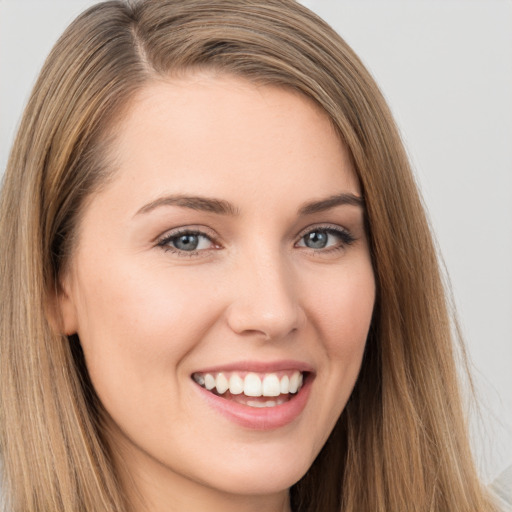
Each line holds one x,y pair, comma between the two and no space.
401,442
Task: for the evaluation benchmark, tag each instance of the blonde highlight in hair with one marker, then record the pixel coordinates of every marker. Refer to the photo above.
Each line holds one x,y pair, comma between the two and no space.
401,442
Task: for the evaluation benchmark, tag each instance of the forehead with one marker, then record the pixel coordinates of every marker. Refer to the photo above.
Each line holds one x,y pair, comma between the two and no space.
206,133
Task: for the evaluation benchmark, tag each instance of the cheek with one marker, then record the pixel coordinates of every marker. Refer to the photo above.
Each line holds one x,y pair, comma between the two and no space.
137,322
340,313
132,299
343,312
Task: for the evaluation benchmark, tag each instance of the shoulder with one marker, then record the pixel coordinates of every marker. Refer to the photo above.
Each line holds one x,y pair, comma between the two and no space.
501,489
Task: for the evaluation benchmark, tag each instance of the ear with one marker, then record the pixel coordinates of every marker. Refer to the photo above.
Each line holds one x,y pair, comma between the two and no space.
61,309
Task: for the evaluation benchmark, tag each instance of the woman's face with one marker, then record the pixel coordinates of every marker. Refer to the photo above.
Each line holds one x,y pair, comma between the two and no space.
228,250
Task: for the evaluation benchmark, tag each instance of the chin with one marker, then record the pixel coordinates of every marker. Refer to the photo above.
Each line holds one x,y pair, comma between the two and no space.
262,476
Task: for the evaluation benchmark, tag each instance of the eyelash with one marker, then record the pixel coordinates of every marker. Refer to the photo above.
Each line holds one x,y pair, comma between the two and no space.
345,237
166,241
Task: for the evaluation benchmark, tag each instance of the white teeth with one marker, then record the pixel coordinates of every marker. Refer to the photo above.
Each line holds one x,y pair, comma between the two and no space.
271,385
294,382
222,384
236,384
209,382
285,385
252,385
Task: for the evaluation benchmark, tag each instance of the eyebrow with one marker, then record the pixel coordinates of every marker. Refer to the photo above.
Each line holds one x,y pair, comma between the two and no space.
222,207
331,202
204,204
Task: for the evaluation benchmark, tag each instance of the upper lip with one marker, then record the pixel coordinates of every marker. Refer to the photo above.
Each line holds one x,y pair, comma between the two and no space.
259,366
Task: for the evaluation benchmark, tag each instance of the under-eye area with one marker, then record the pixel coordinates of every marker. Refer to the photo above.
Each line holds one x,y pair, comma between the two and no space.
253,389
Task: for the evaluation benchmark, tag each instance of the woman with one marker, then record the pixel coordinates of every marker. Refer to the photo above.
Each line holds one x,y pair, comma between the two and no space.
221,291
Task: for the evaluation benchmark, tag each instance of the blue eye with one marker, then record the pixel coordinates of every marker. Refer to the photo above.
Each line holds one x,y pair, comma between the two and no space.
316,239
186,241
326,238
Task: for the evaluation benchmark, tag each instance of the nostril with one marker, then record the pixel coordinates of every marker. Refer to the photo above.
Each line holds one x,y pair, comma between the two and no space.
263,322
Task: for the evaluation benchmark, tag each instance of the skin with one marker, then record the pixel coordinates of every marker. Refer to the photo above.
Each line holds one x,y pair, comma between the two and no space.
148,317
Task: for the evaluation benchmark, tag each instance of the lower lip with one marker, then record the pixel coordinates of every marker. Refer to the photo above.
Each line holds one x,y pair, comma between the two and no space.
264,418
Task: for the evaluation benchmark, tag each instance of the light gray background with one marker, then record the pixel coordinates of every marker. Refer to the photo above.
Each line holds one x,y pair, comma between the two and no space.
445,67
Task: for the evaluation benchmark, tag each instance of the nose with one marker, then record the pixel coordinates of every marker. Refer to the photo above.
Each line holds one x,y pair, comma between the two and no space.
265,302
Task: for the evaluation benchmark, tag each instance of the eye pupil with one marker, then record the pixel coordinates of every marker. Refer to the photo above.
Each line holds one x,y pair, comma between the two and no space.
186,242
316,239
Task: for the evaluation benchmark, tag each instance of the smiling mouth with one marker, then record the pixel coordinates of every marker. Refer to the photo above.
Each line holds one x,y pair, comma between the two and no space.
253,389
